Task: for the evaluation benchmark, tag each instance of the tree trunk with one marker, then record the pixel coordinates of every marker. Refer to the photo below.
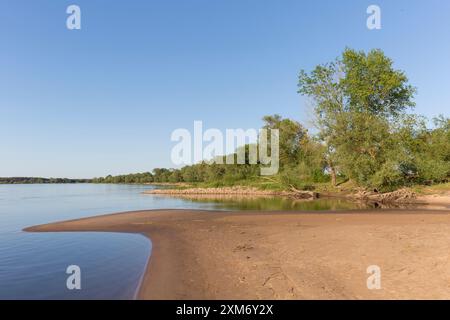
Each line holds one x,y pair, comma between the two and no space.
333,176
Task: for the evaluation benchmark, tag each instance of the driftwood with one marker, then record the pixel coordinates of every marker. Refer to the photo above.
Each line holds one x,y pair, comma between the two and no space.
399,196
303,194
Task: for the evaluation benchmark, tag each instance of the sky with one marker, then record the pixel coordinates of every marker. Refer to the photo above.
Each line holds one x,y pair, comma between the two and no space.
105,99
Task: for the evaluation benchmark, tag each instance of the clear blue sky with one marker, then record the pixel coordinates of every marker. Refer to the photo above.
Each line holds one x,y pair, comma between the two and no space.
105,99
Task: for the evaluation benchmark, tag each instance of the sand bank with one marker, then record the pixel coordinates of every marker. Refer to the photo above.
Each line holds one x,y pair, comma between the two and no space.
279,255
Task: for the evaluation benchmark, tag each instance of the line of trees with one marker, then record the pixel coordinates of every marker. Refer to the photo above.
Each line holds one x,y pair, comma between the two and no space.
38,180
366,134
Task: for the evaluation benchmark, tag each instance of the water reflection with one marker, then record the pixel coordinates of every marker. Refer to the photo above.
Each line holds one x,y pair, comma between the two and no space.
233,202
272,203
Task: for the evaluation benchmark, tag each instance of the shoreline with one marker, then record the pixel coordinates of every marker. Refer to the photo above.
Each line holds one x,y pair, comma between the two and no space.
400,197
284,255
233,191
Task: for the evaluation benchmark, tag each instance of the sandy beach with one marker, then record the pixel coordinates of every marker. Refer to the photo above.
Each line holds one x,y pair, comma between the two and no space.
285,255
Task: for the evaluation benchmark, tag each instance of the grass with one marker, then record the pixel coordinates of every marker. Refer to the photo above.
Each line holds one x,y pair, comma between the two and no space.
433,189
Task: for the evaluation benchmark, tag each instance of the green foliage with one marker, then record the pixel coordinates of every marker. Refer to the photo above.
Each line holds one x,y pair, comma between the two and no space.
371,84
433,152
360,102
291,135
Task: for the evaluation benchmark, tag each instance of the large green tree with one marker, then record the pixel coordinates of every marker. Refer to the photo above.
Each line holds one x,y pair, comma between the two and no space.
357,98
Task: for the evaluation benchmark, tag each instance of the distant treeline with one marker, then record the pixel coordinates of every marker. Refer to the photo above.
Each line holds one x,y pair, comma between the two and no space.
366,134
33,180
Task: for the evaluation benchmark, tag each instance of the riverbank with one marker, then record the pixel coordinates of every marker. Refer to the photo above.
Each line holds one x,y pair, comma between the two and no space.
280,255
232,191
402,196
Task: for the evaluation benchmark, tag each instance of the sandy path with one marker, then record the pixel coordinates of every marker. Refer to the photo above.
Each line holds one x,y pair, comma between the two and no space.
251,255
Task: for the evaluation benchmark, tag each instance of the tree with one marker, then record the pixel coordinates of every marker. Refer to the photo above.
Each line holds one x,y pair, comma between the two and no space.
357,99
291,135
433,152
301,157
323,86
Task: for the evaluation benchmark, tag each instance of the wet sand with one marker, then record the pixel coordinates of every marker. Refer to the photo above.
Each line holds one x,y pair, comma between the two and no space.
285,255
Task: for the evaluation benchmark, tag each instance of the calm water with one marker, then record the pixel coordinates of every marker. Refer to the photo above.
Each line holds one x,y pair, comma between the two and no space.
277,203
33,265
